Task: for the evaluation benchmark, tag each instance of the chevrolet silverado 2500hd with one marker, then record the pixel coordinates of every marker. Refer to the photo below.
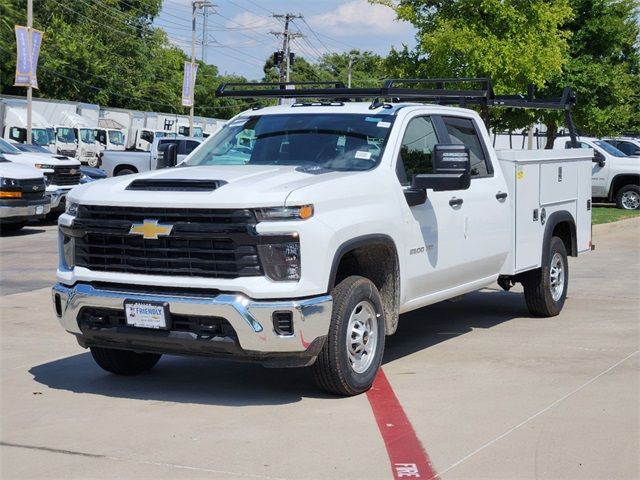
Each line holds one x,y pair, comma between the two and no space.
21,195
298,234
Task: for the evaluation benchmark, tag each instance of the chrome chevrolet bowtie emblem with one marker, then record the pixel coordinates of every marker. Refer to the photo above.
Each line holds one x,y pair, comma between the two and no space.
35,188
150,229
73,171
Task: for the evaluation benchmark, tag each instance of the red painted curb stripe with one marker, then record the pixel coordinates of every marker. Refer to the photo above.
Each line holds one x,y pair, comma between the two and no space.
406,454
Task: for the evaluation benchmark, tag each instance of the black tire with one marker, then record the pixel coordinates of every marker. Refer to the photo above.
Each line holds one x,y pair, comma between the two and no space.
333,370
628,197
11,227
125,171
93,162
124,362
538,283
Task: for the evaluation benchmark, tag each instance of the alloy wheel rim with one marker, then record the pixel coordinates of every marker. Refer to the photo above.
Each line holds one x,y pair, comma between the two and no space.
556,274
362,336
631,200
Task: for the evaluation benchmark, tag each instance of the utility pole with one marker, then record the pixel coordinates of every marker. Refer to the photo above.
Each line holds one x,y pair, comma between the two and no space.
29,88
287,36
196,4
205,31
349,71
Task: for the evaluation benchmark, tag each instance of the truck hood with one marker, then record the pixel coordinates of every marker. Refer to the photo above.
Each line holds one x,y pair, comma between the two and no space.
18,171
244,186
43,158
632,164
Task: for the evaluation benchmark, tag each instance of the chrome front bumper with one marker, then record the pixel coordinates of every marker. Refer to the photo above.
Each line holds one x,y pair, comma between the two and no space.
251,319
36,210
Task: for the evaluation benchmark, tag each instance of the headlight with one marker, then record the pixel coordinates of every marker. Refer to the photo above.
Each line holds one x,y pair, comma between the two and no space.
285,213
8,182
71,208
281,261
44,166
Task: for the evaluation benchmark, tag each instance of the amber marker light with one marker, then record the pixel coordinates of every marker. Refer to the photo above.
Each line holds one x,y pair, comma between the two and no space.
10,194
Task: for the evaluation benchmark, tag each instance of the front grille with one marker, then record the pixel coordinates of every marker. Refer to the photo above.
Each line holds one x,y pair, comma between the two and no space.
32,188
203,326
202,242
65,175
67,153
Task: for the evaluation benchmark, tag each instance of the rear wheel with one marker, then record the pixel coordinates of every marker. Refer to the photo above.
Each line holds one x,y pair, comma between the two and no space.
628,197
352,353
545,288
124,362
125,171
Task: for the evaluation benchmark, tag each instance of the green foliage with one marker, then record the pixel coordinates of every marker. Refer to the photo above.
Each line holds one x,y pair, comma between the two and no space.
107,52
603,67
591,45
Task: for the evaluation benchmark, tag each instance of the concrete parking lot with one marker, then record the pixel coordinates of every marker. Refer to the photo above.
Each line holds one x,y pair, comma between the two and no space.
490,392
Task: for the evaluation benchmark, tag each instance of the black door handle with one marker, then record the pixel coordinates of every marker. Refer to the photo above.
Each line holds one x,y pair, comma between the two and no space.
455,202
501,195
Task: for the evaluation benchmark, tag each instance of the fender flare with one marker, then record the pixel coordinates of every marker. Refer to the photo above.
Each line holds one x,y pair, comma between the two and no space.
357,242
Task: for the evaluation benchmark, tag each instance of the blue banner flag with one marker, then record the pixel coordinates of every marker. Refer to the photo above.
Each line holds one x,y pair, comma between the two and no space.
188,83
28,42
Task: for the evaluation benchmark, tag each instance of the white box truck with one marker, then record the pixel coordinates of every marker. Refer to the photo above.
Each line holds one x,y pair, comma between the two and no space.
13,124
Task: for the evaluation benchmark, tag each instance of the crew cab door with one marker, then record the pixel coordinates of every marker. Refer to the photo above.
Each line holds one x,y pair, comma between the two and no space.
485,209
434,245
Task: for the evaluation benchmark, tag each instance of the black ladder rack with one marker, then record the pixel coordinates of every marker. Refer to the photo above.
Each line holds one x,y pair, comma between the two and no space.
409,90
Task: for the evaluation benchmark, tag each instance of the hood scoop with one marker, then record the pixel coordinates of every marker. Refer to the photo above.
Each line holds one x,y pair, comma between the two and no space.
175,185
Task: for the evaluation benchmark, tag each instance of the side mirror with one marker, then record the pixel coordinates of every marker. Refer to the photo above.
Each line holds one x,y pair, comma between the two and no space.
599,159
451,169
167,155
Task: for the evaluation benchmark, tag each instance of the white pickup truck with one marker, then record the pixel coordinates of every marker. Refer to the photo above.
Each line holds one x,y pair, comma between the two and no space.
304,246
61,173
615,175
21,195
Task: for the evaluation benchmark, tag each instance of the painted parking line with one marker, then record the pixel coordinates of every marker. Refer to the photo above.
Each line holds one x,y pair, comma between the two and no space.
407,455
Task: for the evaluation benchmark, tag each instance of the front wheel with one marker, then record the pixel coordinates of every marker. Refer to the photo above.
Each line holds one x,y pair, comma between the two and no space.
124,362
545,288
352,353
628,197
93,162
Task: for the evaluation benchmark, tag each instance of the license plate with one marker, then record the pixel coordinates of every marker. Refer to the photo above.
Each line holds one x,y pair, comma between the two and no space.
39,209
147,314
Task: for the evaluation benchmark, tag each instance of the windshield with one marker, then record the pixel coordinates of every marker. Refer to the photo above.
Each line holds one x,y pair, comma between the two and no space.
6,147
65,135
197,131
160,134
332,141
610,149
40,136
116,137
87,135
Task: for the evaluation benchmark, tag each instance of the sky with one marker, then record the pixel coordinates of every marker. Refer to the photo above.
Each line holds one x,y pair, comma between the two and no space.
239,30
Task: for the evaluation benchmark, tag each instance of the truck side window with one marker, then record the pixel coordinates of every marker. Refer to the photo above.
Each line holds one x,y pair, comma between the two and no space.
463,131
187,146
416,149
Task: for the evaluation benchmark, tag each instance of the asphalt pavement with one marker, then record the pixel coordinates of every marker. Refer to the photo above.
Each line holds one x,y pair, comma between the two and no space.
490,392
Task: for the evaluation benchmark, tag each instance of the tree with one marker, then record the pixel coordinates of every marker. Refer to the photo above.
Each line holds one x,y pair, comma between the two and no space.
367,68
107,52
590,45
603,67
